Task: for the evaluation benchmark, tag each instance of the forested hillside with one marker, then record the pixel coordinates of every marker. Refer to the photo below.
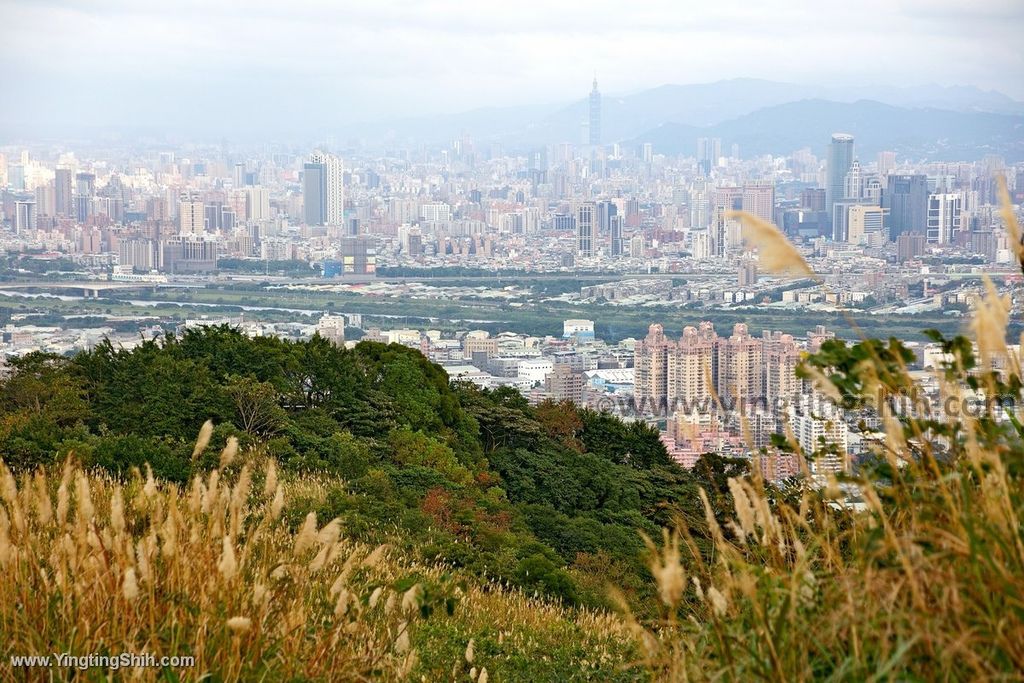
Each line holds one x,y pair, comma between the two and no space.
547,498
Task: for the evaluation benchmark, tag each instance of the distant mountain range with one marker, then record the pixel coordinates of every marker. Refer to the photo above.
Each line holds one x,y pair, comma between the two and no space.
934,122
921,133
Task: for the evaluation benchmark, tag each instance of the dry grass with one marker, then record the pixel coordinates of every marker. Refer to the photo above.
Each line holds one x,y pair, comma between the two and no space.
92,565
924,581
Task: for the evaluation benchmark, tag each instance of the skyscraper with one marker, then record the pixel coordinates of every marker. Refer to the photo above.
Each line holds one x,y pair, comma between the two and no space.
708,152
886,163
335,185
944,217
691,367
651,370
64,204
605,210
616,235
191,214
595,115
759,199
585,229
85,190
24,222
323,190
853,184
740,367
906,197
840,158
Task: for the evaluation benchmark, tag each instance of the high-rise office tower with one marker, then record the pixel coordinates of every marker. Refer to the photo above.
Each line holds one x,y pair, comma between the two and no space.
64,203
813,199
886,163
24,217
725,231
862,220
86,184
853,184
45,203
759,199
708,152
585,229
323,190
85,190
191,214
605,210
700,209
257,203
840,158
615,231
906,197
595,115
314,210
944,217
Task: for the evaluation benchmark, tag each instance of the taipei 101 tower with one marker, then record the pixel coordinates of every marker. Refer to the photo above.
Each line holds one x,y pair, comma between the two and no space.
595,115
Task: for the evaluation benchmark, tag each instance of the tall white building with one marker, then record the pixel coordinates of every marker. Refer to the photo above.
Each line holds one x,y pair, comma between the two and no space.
257,203
332,328
585,229
335,186
815,420
944,217
435,212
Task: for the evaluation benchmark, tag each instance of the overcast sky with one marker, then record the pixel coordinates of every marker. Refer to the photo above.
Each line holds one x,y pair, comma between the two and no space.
308,62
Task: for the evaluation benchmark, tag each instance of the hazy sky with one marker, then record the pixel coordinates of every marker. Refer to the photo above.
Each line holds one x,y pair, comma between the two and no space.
283,63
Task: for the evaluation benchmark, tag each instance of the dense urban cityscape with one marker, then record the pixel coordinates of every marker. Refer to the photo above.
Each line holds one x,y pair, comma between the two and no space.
133,242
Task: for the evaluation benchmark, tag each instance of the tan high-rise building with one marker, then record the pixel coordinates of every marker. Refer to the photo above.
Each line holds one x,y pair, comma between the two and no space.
781,356
650,368
740,368
564,384
691,367
191,214
862,220
759,199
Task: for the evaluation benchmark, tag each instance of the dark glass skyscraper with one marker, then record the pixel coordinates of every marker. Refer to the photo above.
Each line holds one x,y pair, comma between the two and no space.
595,115
906,197
615,230
605,210
314,193
64,204
840,158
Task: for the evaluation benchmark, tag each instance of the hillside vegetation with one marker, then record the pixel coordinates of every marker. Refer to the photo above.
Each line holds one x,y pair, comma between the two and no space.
533,497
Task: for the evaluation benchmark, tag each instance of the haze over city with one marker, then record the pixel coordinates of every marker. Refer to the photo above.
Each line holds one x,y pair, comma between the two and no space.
309,68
